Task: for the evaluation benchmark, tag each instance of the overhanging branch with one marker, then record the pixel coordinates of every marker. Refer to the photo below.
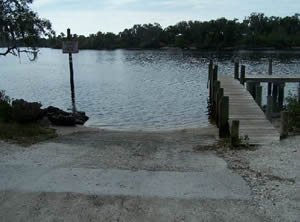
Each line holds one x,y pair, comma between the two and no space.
9,50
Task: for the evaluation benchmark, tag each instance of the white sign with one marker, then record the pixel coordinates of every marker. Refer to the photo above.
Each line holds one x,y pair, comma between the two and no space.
70,47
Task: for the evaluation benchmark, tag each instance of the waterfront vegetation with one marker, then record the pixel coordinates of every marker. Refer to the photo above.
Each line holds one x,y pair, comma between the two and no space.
17,124
20,26
25,134
255,31
293,107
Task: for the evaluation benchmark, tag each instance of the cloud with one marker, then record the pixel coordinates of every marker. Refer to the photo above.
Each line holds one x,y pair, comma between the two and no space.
93,22
43,3
86,17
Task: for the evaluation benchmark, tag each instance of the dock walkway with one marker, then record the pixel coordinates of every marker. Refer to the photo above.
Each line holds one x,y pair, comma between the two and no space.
242,107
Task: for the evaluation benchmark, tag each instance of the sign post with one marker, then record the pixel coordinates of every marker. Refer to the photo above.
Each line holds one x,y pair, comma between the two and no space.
70,47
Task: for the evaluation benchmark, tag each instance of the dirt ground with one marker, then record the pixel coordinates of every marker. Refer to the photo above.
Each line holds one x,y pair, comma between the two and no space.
273,174
250,184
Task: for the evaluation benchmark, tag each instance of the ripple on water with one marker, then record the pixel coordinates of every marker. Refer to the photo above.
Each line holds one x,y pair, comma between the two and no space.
132,89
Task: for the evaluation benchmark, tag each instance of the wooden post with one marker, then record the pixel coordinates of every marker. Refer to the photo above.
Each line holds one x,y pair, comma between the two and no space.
210,85
216,90
210,67
215,73
270,66
223,117
251,87
281,96
71,74
236,70
258,97
215,105
243,73
270,73
275,97
299,93
235,134
220,94
284,129
214,78
269,108
210,70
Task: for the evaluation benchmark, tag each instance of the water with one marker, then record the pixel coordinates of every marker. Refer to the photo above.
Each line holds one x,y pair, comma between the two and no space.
132,89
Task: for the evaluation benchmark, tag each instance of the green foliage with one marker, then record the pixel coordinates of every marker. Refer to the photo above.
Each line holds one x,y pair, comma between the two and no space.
25,134
256,30
5,107
18,110
293,107
244,141
13,115
20,26
24,112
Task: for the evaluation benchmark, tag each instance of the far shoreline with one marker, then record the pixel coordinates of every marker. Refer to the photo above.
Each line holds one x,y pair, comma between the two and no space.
194,49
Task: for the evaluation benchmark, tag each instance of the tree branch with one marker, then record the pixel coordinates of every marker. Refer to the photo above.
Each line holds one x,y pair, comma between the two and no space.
9,50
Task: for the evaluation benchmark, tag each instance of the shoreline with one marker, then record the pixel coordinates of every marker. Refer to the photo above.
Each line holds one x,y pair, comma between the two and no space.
63,130
216,50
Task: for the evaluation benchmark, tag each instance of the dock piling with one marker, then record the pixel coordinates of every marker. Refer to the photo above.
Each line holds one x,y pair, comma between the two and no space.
235,135
284,129
236,70
270,73
223,117
258,97
269,110
214,101
299,93
281,96
243,73
220,95
251,87
275,97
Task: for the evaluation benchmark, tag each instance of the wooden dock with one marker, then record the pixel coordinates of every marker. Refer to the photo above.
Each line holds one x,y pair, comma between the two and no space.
236,102
242,107
272,78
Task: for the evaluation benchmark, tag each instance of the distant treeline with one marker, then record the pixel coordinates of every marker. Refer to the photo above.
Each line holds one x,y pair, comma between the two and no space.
255,31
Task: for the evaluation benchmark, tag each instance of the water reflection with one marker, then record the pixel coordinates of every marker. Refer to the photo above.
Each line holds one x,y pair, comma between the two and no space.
133,89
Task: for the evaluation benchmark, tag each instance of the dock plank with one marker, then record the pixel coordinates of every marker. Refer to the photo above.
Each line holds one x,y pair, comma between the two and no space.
273,78
243,107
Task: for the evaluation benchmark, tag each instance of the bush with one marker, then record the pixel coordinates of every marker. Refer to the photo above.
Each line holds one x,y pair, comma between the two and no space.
293,107
5,107
25,112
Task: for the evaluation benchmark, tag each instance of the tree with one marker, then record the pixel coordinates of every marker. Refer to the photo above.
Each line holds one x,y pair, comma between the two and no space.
21,28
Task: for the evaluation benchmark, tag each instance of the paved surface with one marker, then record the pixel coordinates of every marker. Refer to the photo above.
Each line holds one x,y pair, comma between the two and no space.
119,176
183,185
103,166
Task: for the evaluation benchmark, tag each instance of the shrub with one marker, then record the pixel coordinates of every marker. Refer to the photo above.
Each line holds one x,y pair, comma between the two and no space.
293,107
25,112
5,107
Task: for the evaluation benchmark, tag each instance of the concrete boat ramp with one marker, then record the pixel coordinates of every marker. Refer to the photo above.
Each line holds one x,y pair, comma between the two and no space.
161,174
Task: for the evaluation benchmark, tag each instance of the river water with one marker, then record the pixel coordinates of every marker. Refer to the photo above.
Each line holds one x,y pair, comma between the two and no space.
133,89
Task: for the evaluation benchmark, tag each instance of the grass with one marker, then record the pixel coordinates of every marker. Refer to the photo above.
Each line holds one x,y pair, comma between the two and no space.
25,134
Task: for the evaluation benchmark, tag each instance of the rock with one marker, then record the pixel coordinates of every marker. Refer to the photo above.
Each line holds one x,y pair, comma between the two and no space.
25,112
59,117
80,118
62,118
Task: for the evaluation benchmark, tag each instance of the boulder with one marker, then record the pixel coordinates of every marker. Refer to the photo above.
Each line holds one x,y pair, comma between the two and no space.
61,118
80,117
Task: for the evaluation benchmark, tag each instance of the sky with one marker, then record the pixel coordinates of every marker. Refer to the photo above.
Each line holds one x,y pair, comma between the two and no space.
90,16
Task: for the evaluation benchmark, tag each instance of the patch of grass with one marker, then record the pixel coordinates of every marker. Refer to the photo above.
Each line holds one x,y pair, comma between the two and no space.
25,134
